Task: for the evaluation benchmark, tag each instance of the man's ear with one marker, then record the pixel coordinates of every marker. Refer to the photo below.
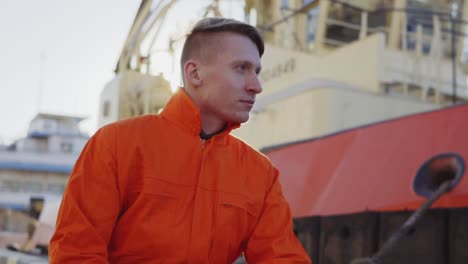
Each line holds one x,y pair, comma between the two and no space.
192,70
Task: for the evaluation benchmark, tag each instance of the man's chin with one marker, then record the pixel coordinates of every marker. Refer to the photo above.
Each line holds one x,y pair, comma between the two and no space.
243,119
238,117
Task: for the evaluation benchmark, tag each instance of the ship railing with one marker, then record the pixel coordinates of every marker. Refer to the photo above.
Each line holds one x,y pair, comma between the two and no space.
430,40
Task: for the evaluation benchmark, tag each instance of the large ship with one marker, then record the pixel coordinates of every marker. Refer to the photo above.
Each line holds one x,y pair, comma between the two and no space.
328,65
33,173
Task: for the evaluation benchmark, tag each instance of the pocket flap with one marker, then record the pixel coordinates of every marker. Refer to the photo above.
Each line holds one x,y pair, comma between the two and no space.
239,201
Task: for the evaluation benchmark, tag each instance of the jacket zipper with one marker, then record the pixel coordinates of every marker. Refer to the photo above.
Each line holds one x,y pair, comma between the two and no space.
198,175
203,146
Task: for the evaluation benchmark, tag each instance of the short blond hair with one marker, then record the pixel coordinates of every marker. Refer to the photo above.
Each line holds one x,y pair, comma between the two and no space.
206,27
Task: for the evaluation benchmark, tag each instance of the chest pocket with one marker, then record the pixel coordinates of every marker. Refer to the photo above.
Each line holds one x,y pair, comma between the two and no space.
162,200
236,218
152,219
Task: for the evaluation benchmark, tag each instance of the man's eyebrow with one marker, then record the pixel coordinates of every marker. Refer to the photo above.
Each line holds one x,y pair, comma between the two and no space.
258,68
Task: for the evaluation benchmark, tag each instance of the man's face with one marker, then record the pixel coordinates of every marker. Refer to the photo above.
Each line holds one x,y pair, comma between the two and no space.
230,79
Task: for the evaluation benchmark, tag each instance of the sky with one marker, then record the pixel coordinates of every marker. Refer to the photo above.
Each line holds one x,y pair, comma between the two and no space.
56,56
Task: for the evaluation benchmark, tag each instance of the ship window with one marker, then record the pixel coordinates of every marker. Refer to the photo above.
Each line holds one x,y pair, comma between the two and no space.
3,187
56,188
312,21
31,187
11,186
47,125
66,147
106,109
253,17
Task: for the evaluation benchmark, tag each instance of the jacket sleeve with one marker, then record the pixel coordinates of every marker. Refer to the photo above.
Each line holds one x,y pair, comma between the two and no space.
273,240
90,206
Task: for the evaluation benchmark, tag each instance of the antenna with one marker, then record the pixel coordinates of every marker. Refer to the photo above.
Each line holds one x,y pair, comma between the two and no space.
40,85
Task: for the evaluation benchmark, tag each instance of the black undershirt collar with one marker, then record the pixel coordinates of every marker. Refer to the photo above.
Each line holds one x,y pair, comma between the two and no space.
205,136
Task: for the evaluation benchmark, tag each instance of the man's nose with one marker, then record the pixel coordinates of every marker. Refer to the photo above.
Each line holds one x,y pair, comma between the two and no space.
254,84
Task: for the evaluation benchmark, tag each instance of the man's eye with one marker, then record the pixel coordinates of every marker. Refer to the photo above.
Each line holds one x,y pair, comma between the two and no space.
242,67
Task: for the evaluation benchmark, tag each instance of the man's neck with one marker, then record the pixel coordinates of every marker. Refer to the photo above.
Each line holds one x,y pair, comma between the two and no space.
206,136
211,125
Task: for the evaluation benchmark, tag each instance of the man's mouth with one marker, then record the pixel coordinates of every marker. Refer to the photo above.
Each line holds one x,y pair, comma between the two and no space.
249,102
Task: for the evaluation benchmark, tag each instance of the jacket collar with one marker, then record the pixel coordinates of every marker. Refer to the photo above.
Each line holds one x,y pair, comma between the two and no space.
182,111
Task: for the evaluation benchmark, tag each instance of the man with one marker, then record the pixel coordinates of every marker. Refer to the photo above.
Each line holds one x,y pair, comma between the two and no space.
177,187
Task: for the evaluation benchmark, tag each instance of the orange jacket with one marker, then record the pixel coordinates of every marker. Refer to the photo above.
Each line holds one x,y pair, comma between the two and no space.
149,190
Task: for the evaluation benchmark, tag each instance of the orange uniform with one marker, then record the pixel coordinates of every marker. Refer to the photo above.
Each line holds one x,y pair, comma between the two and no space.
149,190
